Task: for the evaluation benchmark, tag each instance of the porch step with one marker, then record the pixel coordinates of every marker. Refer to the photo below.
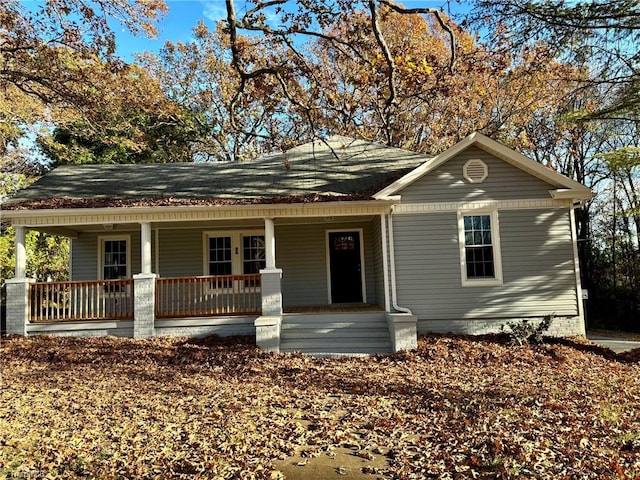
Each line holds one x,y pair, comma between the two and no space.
336,346
336,334
357,317
333,332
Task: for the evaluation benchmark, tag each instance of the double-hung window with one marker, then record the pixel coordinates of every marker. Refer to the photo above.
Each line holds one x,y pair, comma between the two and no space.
115,257
234,253
480,258
114,260
220,262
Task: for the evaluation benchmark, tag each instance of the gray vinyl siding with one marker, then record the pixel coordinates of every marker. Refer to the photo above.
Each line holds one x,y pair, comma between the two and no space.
181,252
84,253
537,263
84,257
447,184
301,253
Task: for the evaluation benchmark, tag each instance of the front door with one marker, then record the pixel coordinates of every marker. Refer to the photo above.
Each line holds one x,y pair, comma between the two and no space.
345,267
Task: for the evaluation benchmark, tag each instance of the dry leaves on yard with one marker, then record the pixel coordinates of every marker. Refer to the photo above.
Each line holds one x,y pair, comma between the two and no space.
220,408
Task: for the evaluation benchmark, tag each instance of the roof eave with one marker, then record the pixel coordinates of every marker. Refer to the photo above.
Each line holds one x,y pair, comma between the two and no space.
25,214
576,194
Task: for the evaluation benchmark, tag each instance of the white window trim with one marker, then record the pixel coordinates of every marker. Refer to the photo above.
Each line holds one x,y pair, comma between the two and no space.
156,242
71,259
362,266
236,247
101,240
497,251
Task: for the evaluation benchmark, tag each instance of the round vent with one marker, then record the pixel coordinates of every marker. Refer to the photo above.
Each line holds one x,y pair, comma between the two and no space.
475,171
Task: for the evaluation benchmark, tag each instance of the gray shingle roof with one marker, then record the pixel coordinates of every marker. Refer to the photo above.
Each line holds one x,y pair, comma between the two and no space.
305,172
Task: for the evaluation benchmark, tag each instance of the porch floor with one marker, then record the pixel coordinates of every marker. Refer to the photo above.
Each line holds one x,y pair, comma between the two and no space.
335,308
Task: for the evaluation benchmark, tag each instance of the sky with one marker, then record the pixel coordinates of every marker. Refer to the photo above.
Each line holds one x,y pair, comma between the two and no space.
183,15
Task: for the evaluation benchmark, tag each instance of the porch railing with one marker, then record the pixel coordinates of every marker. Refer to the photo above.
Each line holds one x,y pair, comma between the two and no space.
208,296
81,300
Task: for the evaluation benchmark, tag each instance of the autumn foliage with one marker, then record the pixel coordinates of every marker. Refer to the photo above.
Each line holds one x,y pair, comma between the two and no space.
221,408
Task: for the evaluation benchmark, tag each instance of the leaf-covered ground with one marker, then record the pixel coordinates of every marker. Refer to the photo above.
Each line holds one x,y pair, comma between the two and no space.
220,408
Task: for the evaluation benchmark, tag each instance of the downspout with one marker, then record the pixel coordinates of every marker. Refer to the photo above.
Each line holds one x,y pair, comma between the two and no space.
394,298
576,268
385,261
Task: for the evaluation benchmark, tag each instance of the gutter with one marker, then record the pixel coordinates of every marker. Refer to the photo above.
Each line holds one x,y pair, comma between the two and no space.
90,216
581,195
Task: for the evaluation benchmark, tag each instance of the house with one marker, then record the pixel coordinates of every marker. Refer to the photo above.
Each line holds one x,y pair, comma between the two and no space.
341,246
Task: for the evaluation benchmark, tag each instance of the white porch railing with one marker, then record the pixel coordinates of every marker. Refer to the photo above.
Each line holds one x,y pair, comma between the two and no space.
81,300
208,296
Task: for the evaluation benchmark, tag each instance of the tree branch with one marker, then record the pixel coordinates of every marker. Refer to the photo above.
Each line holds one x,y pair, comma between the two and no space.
430,11
391,98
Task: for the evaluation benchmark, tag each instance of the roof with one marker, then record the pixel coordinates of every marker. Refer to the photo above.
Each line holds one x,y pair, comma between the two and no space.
566,188
346,169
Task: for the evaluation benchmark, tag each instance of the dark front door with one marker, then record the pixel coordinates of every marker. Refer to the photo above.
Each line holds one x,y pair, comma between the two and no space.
345,267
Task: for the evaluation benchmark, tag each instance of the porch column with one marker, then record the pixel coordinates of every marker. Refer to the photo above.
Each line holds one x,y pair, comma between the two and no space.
21,252
271,283
145,247
144,303
18,305
269,324
270,243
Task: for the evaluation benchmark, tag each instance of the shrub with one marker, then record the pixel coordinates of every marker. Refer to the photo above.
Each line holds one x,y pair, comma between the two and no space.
524,331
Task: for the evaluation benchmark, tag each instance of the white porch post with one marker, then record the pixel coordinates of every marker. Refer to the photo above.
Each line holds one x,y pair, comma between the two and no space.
145,247
21,252
144,288
270,243
18,289
268,325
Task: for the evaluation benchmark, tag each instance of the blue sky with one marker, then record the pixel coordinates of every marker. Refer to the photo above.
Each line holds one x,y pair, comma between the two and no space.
183,15
176,26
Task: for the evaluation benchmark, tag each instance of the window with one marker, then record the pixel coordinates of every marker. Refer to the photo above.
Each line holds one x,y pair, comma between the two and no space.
479,249
234,253
253,254
478,246
114,258
220,256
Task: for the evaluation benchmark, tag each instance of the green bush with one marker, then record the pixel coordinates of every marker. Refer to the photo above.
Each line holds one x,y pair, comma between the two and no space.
524,331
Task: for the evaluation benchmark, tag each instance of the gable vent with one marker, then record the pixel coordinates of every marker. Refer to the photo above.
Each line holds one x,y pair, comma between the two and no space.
475,171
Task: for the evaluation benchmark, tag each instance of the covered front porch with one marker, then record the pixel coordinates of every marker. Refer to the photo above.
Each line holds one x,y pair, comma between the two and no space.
325,288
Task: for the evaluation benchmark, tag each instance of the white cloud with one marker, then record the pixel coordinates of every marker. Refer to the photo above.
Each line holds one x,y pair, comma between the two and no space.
214,10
